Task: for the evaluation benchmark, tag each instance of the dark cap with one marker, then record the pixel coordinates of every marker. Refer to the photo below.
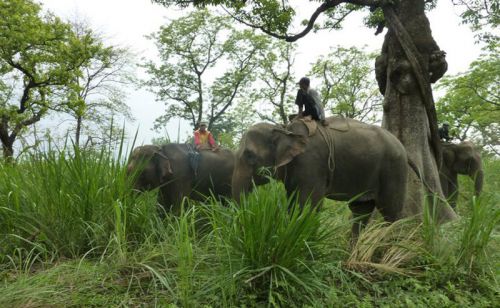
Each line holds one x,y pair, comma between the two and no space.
203,123
304,80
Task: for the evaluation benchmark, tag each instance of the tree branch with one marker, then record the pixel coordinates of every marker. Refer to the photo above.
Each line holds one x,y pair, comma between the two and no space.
292,38
17,129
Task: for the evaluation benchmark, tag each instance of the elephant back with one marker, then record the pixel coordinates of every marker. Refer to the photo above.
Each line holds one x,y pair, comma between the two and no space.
180,152
340,124
222,158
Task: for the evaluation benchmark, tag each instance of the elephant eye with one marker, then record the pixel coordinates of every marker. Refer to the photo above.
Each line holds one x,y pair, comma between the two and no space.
250,157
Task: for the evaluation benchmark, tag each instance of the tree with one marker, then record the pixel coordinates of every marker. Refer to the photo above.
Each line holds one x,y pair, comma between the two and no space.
206,66
273,94
482,16
409,62
347,87
472,102
39,57
99,96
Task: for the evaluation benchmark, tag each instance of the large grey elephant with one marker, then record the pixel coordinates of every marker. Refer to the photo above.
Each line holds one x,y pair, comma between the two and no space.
464,159
348,160
168,167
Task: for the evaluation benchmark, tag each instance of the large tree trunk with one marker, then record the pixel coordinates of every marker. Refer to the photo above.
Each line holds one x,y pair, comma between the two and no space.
404,74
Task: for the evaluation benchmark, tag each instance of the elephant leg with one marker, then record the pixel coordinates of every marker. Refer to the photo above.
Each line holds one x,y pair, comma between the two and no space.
453,192
164,203
305,194
444,185
179,195
361,212
170,199
392,194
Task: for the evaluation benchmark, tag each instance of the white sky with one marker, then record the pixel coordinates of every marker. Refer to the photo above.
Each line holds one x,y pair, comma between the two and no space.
126,22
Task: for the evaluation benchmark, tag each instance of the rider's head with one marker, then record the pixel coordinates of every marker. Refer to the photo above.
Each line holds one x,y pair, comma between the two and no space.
203,126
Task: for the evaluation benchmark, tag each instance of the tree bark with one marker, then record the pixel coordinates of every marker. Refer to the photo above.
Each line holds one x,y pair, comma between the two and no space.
8,151
410,60
7,142
78,130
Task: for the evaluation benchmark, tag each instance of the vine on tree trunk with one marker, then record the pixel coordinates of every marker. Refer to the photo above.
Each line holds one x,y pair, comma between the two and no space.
437,68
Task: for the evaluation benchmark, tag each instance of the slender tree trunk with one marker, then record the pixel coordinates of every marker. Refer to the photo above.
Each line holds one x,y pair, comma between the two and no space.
7,141
404,79
8,151
78,130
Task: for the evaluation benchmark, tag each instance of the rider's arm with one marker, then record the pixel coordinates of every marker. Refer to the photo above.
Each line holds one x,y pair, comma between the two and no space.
299,102
197,139
211,140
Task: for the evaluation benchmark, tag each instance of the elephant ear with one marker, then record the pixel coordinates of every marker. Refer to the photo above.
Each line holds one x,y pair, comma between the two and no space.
448,156
163,164
137,159
288,145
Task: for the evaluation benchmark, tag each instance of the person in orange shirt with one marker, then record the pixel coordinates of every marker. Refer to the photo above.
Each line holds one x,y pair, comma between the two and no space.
203,139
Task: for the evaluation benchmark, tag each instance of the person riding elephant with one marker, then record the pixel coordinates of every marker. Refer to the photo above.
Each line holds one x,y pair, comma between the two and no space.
444,132
203,138
464,159
168,168
308,101
363,162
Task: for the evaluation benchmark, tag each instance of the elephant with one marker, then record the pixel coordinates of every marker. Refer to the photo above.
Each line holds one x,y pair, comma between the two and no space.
168,168
348,161
464,159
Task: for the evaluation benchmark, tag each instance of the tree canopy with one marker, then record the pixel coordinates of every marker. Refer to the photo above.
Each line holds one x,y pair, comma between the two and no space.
271,98
276,17
483,16
48,65
98,100
471,102
39,57
205,67
346,84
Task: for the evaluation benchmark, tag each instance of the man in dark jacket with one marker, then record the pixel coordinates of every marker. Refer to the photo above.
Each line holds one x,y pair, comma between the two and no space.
308,101
444,133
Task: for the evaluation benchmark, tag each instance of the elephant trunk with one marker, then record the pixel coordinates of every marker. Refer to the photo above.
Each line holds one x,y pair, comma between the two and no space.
478,183
241,182
130,168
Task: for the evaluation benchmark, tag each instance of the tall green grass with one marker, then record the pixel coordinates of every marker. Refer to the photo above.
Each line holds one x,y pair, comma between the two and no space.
72,232
70,203
272,247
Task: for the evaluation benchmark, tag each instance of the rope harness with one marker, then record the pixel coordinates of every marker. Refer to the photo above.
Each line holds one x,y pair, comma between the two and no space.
330,143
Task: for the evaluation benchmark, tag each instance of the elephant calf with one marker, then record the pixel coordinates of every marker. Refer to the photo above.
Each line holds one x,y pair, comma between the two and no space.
168,167
464,159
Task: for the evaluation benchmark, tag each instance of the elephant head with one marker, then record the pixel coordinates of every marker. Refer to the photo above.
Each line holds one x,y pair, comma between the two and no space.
464,159
149,167
263,145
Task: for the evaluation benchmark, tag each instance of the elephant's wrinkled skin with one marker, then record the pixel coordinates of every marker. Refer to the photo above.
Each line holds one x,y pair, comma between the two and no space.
168,167
464,159
369,162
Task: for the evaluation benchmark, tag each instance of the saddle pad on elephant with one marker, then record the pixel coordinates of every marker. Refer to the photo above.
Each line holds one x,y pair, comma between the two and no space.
311,125
338,123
